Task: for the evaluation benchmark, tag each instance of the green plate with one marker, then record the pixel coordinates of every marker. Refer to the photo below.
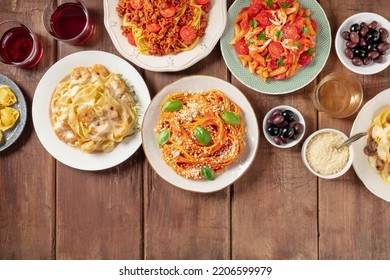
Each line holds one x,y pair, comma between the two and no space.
299,80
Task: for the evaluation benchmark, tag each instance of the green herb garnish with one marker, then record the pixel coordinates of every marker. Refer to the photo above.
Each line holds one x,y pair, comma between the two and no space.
230,118
261,36
253,23
163,137
172,105
207,173
203,136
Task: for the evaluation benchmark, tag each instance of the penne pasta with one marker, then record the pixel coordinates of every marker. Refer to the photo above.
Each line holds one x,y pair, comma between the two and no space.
274,38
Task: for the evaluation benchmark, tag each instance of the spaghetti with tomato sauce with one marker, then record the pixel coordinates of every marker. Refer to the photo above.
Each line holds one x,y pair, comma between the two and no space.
162,27
275,38
200,134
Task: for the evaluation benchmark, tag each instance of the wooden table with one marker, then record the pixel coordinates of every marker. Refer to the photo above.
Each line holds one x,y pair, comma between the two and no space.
278,210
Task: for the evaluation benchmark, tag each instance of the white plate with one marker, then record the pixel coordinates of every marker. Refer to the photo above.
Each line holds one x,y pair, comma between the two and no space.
370,178
235,170
302,78
371,68
69,155
215,26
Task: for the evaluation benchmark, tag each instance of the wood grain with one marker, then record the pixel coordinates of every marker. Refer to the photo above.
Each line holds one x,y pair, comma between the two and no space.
27,189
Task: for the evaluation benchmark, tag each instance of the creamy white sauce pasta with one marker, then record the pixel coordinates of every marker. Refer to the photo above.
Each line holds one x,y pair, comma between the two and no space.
93,109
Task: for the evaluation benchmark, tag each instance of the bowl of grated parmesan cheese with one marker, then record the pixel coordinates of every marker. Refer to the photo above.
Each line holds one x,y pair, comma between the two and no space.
321,155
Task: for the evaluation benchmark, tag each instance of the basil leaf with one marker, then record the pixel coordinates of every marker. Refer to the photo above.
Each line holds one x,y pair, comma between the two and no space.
269,3
305,30
208,173
279,34
280,62
230,118
163,137
298,45
285,5
310,51
261,36
172,105
253,23
203,136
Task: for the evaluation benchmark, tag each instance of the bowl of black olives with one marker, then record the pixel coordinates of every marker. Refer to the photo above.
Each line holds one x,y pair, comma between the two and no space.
362,43
283,126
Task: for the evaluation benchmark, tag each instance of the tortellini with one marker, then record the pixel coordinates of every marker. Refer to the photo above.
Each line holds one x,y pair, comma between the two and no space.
8,115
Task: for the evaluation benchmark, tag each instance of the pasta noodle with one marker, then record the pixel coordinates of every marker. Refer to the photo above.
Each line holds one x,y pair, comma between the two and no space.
93,109
8,115
7,97
161,27
378,144
203,116
274,38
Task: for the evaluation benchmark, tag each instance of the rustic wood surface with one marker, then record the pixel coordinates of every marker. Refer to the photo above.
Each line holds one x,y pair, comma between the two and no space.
278,210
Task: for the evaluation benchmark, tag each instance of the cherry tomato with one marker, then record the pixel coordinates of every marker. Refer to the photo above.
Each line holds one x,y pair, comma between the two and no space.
168,11
273,65
290,31
304,59
202,2
289,59
314,24
254,9
188,33
275,49
263,18
130,39
137,4
153,27
299,23
241,47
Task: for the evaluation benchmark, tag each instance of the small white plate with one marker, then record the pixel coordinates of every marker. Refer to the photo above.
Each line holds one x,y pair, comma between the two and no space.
371,68
12,134
370,178
235,170
65,153
216,23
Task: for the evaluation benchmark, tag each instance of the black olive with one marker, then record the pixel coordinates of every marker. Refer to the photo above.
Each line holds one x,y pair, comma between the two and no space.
363,52
273,130
355,27
287,132
371,47
288,115
372,36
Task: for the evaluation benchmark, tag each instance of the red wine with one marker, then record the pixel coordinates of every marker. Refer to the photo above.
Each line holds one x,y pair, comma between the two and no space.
17,47
69,21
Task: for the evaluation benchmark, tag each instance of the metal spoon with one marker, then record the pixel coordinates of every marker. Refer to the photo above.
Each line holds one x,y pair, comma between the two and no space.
352,139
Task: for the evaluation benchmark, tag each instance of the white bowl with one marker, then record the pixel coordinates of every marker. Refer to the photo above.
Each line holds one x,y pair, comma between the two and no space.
334,175
299,118
199,83
340,46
